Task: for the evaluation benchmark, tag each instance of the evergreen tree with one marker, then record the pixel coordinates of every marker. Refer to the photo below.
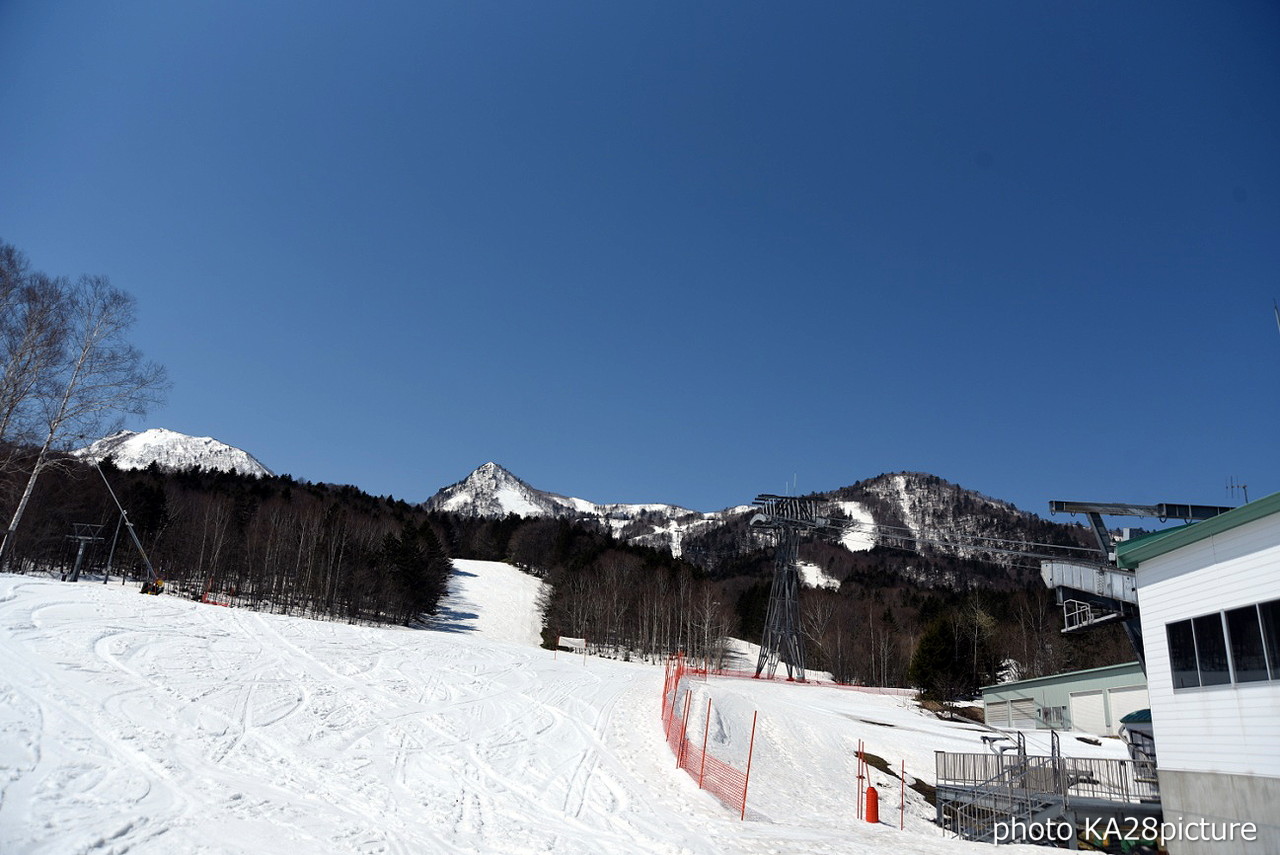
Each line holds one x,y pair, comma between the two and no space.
938,666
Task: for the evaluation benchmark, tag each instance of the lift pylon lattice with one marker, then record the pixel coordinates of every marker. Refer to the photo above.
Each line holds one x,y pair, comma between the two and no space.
787,517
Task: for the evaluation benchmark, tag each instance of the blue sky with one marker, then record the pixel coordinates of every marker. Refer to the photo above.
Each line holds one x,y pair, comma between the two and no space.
683,252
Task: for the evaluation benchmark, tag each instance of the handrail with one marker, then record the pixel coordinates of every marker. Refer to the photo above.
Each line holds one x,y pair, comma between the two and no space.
1105,778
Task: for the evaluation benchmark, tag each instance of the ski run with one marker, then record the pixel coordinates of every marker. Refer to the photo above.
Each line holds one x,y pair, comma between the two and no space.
157,725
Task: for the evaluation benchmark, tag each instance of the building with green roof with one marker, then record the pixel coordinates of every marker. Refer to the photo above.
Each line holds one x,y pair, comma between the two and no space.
1209,601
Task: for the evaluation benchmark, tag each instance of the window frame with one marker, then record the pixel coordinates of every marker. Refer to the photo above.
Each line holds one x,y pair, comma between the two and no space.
1178,632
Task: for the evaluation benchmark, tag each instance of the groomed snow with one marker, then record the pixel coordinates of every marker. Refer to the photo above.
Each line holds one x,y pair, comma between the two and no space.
493,600
141,725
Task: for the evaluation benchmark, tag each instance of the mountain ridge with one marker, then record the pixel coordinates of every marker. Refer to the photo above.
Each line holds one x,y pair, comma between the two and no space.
491,490
171,451
934,517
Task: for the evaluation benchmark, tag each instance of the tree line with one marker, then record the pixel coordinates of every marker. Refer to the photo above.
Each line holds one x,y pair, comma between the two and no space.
271,543
628,601
279,544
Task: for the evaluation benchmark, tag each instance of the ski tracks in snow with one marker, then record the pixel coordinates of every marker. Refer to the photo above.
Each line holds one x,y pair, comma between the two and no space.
153,726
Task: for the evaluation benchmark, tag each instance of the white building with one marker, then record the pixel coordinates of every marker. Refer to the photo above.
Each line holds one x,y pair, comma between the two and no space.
1092,701
1209,599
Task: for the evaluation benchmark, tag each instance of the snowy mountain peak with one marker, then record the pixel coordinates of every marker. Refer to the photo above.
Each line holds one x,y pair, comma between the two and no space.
491,473
171,451
492,491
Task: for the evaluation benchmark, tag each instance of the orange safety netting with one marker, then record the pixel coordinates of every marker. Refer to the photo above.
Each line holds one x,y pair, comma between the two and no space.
714,775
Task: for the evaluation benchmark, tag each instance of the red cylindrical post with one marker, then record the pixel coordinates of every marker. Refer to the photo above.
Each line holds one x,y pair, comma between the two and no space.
751,750
873,805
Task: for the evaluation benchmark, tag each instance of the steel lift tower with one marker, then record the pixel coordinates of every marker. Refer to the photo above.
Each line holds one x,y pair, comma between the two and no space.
787,517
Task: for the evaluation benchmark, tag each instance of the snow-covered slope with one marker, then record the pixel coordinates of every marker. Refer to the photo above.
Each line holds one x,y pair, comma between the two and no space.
162,726
815,577
860,535
492,600
172,451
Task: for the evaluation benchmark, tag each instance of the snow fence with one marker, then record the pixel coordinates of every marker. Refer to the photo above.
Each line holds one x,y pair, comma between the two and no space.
718,777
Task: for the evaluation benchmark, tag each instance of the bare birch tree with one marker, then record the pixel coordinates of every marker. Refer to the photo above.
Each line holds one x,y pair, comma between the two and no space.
33,331
99,378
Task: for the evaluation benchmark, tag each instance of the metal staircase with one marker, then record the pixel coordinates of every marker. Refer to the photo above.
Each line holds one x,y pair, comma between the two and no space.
1002,799
1016,791
1015,797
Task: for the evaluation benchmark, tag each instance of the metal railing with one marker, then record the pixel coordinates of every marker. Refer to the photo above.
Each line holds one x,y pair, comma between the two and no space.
1082,777
977,791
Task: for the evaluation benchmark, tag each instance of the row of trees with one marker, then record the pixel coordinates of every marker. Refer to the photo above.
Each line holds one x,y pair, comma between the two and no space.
272,543
882,627
626,600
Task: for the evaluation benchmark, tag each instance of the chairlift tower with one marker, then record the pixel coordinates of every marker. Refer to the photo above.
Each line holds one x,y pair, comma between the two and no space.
85,533
788,517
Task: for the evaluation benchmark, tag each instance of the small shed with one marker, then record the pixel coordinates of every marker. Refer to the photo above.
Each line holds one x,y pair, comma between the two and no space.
1093,700
1136,730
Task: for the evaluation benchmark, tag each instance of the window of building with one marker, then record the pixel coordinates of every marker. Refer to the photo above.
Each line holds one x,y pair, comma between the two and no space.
1270,614
1244,632
1182,654
1055,717
1240,645
1211,650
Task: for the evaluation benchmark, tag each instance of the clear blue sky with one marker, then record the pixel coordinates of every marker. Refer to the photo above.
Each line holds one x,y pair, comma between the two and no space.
675,251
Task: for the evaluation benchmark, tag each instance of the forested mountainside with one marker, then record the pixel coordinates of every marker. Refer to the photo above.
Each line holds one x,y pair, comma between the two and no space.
276,543
930,556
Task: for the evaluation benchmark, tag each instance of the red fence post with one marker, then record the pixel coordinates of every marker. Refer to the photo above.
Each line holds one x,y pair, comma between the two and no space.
666,714
684,722
751,750
860,778
706,731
